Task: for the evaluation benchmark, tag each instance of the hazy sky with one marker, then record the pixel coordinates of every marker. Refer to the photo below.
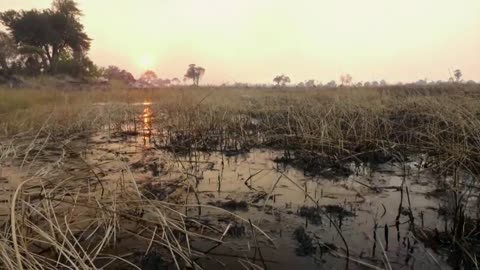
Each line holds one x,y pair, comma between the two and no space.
254,40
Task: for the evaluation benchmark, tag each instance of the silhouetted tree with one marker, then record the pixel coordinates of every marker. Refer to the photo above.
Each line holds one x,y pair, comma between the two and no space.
76,66
33,59
161,82
278,80
346,79
383,83
421,82
8,52
458,75
281,80
175,81
114,73
14,59
332,84
194,73
67,7
310,83
149,76
55,32
111,72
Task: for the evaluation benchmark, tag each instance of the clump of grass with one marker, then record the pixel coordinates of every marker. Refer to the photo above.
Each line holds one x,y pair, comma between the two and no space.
306,245
311,213
232,205
338,210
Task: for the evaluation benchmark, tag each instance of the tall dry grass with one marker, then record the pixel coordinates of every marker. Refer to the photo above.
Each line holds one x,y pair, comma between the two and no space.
56,223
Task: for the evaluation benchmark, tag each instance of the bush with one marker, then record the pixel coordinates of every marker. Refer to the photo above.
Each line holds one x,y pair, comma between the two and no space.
76,67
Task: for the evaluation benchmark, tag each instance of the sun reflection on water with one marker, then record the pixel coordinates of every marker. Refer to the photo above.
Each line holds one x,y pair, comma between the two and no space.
146,119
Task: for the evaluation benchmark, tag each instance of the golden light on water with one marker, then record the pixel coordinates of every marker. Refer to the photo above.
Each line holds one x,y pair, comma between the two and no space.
147,116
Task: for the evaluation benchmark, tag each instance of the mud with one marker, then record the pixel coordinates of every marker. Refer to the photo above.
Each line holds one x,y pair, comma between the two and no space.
363,206
387,216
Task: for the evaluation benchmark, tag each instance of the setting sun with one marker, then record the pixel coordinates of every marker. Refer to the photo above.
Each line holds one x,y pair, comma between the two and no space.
146,62
251,41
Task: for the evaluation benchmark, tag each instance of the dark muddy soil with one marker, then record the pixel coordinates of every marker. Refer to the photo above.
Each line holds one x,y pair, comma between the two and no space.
376,215
313,214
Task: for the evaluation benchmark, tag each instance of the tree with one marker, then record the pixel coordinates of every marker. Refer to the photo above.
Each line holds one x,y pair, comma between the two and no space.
278,80
281,80
76,66
471,82
149,77
8,52
33,60
346,79
194,73
421,82
310,84
166,81
458,75
383,83
332,84
175,81
67,7
114,73
55,32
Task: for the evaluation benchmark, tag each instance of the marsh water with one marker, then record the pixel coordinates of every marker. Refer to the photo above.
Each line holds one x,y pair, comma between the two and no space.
281,200
383,216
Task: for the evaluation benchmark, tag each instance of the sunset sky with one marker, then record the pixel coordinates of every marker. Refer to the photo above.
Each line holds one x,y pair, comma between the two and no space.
254,40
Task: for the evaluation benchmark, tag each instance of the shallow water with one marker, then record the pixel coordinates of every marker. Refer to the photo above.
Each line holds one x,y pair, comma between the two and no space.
9,180
278,199
384,225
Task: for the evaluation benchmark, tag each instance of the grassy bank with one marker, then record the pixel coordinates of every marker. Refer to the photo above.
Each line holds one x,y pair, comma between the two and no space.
364,125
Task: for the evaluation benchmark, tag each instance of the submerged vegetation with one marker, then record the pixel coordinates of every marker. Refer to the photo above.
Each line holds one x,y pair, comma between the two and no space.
314,126
65,211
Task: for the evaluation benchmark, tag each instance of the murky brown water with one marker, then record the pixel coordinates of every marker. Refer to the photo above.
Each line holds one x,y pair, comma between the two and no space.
273,197
384,214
